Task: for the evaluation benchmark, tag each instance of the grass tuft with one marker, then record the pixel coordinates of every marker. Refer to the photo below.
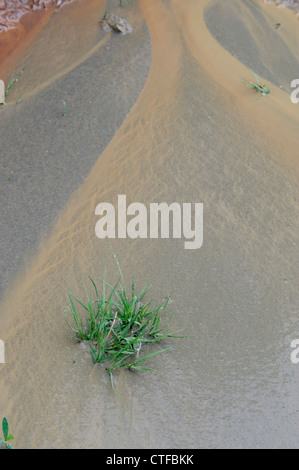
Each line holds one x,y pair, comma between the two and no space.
261,89
6,437
118,325
12,82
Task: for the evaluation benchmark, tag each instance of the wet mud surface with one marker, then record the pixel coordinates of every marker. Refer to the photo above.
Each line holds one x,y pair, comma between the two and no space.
159,115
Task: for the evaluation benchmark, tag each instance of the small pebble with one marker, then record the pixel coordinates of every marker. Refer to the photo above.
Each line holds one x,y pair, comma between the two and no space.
117,24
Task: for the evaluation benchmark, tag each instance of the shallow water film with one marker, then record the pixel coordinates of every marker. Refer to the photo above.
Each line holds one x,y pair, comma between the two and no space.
100,129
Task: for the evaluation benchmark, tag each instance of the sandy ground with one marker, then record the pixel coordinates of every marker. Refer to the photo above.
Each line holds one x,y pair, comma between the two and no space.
159,115
46,157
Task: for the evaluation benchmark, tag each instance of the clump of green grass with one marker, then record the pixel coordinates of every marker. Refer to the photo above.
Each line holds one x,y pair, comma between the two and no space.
118,325
12,82
261,89
6,437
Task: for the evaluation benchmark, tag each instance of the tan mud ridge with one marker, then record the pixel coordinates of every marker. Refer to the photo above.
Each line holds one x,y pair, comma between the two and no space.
194,134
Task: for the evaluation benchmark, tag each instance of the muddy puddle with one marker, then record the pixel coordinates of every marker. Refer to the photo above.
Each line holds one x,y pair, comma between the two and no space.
158,115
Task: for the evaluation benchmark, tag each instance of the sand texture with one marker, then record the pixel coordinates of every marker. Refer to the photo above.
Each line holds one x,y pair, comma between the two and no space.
159,115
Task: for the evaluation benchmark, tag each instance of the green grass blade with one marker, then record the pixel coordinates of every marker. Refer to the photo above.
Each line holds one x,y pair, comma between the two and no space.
118,266
95,287
256,77
5,428
141,368
148,357
79,302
